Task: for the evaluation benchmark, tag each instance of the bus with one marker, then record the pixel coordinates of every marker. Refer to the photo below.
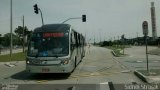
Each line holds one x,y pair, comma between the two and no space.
54,48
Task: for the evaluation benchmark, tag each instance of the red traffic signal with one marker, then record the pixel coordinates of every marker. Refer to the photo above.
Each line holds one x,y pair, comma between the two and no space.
83,18
36,8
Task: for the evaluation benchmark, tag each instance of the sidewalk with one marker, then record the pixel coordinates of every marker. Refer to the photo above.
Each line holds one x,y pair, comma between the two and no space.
154,74
155,52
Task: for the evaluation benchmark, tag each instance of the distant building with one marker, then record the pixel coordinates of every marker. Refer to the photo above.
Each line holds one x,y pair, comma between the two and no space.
153,20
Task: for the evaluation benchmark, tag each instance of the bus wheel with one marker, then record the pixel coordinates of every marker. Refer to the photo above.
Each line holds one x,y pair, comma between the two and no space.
75,63
81,58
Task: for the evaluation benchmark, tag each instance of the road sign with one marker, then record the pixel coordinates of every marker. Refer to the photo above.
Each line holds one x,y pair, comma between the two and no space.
145,33
145,28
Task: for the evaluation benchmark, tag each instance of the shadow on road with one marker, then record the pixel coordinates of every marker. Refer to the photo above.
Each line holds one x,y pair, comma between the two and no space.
23,75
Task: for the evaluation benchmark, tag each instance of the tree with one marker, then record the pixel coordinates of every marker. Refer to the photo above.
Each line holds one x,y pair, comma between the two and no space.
0,39
19,33
6,39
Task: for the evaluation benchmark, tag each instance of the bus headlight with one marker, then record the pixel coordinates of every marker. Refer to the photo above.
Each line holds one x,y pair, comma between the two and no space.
66,61
27,62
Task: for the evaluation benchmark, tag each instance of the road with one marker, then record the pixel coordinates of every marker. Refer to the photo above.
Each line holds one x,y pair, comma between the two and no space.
98,66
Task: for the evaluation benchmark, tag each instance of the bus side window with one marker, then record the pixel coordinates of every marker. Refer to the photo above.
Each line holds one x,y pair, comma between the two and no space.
72,39
76,38
79,39
73,43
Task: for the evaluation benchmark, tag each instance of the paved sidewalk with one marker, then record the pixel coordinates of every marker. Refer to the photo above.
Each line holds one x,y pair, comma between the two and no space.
155,51
154,74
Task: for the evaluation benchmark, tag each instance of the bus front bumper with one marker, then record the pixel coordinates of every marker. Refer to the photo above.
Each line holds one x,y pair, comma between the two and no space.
49,69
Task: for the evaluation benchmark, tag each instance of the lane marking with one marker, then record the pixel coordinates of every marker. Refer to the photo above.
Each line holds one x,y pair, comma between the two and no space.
71,88
89,74
104,86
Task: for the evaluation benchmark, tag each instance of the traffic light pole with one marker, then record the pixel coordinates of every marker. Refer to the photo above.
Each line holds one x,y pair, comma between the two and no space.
71,18
83,18
41,16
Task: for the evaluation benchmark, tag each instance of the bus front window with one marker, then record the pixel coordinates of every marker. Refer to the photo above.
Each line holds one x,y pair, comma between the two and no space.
51,45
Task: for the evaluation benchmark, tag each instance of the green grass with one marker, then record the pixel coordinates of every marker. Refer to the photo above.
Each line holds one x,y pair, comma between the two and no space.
15,57
117,50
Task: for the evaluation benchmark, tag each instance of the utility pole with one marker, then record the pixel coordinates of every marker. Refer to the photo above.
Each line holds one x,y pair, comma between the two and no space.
11,30
137,34
100,37
23,35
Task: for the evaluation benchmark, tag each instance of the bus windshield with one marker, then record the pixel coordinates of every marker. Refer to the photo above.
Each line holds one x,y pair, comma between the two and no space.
49,44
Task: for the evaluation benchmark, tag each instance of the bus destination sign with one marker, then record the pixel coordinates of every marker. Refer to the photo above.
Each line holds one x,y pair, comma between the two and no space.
48,34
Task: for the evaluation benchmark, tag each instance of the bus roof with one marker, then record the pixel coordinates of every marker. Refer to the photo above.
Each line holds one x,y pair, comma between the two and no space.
53,28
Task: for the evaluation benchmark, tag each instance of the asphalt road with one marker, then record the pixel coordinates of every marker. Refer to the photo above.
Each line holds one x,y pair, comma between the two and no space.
99,66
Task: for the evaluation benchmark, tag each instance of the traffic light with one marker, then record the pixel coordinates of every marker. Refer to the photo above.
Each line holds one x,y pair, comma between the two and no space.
83,18
35,8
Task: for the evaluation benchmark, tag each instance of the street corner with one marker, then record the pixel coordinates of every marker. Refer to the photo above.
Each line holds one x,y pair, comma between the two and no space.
152,77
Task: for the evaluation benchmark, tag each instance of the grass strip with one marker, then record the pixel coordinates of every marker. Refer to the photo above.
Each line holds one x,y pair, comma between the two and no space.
15,57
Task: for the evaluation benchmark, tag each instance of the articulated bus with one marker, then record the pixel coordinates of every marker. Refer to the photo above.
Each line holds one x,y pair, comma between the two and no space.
55,48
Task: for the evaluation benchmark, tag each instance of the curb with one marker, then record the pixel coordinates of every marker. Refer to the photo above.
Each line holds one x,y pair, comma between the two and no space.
141,76
114,53
147,79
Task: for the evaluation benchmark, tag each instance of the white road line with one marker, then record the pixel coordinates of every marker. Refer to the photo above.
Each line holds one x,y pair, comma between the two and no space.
104,86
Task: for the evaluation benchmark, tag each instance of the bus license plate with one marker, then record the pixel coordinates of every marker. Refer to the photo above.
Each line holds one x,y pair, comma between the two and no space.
45,70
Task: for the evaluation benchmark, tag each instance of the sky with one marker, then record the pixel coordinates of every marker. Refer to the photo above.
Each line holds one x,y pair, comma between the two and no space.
106,19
